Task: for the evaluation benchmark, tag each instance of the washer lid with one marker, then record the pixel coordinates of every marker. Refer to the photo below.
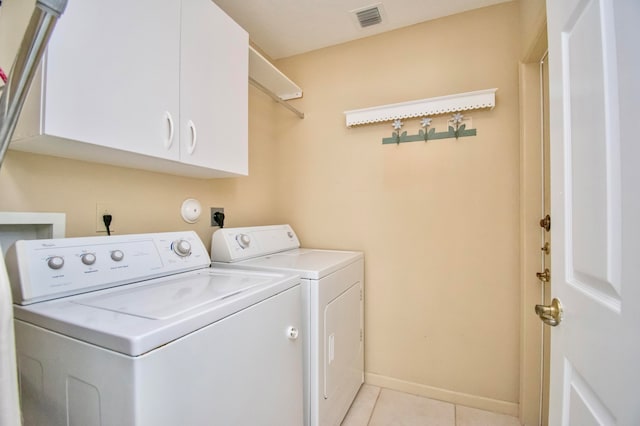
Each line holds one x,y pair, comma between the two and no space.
176,296
138,318
309,263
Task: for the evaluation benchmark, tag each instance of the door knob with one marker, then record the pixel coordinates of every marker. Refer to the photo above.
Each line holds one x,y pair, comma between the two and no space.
545,276
550,314
545,222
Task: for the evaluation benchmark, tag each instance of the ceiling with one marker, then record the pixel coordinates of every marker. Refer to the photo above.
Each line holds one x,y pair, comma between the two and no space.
283,28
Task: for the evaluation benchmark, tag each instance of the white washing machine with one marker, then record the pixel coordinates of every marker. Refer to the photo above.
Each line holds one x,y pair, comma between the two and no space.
332,306
139,330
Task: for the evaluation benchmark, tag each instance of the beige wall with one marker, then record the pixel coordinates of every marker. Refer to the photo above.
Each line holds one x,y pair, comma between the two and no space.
531,212
144,201
438,222
533,18
534,45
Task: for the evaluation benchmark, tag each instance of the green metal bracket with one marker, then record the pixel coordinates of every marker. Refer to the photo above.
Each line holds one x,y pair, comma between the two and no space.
431,135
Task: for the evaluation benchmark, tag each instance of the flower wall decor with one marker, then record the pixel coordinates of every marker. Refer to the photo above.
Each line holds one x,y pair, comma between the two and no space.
425,122
423,110
456,120
397,125
456,129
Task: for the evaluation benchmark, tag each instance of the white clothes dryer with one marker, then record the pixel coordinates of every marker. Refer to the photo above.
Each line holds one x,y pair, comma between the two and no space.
332,307
139,330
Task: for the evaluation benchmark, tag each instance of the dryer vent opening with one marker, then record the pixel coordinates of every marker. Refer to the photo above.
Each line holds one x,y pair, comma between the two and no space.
369,16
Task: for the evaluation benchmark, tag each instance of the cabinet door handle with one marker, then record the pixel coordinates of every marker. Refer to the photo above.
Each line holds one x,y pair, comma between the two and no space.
169,141
194,138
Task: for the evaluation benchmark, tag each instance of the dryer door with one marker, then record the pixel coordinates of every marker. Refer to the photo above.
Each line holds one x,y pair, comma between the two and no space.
343,341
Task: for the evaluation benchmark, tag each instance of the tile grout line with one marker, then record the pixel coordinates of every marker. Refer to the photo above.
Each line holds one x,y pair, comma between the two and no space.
455,414
374,406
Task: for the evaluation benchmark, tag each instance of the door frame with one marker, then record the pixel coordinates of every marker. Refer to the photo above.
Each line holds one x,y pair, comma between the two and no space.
531,328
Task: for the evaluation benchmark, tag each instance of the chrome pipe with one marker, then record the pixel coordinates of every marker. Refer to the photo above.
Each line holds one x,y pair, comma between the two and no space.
32,48
12,99
52,7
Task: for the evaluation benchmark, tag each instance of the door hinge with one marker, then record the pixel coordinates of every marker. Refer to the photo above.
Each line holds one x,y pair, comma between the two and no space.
545,223
360,294
361,335
545,276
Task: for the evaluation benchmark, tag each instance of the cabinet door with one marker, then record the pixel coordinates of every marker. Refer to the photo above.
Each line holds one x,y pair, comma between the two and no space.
112,73
213,89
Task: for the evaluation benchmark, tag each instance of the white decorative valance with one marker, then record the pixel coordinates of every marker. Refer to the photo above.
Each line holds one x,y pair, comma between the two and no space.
423,107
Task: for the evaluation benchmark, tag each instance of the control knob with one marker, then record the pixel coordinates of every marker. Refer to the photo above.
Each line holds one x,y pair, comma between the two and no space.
88,258
117,255
182,248
244,240
55,262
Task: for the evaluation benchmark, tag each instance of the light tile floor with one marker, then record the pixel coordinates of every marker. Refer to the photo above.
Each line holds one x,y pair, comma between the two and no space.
376,406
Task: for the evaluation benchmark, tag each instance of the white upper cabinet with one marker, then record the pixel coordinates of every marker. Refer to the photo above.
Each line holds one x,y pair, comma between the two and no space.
112,73
213,88
156,85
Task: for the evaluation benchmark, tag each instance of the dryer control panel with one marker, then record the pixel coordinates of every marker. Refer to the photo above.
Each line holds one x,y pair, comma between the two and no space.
47,269
235,244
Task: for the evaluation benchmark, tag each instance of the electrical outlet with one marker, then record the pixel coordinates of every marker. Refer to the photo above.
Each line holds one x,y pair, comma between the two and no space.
101,210
215,210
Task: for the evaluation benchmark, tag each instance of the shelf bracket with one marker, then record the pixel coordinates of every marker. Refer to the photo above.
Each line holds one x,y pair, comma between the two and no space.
266,77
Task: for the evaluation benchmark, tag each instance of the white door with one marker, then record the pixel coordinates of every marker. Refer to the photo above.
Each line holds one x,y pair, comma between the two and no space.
595,178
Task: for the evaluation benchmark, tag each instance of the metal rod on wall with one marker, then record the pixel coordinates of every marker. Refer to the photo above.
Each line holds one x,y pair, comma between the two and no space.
35,39
28,57
276,98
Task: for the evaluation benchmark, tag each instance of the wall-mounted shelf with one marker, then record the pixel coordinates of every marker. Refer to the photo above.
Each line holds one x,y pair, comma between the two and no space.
29,226
423,107
269,79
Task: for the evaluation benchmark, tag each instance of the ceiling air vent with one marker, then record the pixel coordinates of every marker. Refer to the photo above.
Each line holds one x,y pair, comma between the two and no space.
369,16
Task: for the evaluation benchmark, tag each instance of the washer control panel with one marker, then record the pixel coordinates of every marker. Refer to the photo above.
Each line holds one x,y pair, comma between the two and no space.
235,244
48,269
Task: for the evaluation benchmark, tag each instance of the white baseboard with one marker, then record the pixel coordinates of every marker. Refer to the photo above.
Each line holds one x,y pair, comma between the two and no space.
495,405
